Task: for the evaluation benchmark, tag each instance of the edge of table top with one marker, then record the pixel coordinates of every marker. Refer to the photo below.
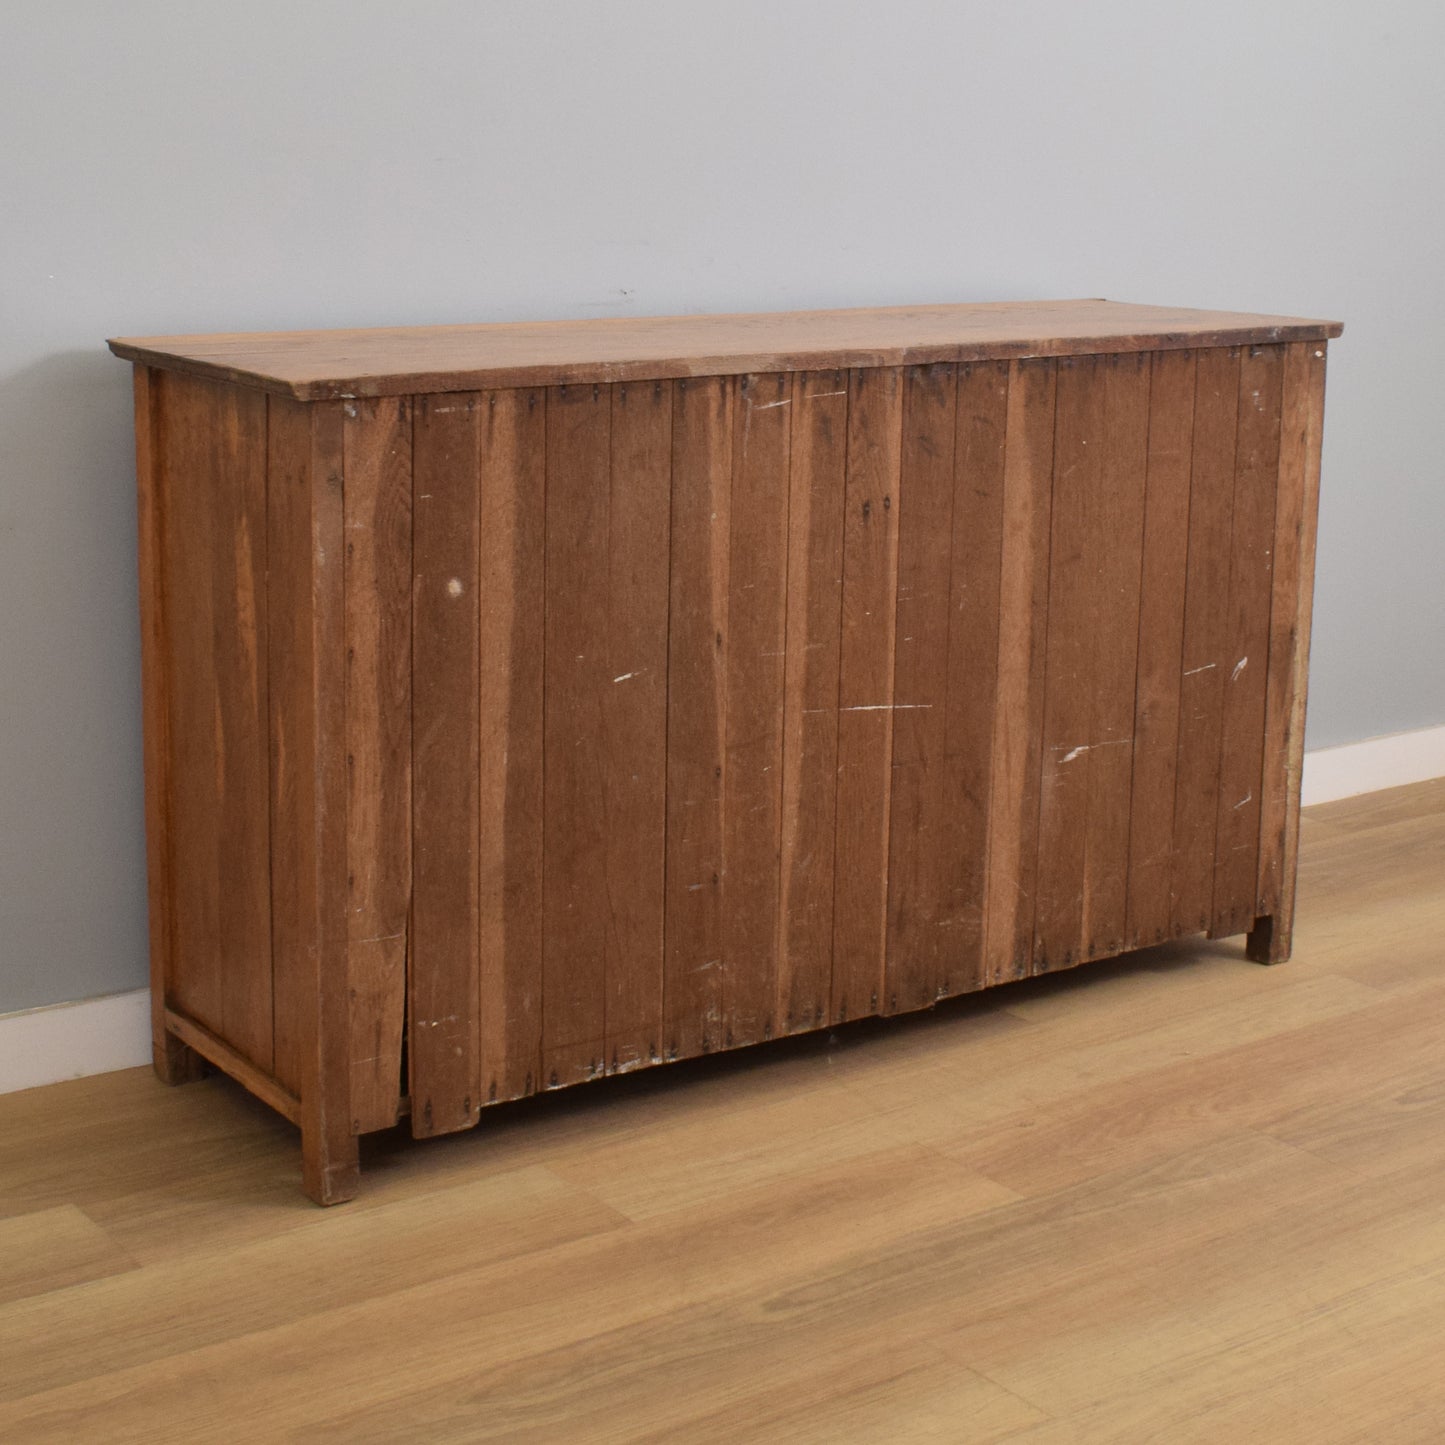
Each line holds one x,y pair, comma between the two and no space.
389,361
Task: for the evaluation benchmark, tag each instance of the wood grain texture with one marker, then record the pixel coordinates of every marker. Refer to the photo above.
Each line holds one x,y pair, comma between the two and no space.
1018,726
1079,478
1101,445
919,916
443,986
634,714
577,905
1236,1169
1161,640
1205,663
753,768
289,643
213,481
306,664
173,1061
865,693
330,1163
1116,539
1296,525
50,1249
315,365
619,722
208,1046
511,478
1256,472
377,443
702,468
816,480
976,589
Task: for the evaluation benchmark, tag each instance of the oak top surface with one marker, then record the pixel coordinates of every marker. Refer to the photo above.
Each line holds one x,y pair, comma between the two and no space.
383,361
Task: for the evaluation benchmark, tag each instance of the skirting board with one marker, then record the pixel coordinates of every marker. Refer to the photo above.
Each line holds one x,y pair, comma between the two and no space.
97,1035
72,1040
1372,765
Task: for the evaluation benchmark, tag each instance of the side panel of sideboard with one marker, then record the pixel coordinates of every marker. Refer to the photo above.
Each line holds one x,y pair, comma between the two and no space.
276,576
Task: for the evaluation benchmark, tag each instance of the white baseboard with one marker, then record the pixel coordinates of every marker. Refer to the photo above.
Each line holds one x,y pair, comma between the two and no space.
1376,763
72,1040
97,1035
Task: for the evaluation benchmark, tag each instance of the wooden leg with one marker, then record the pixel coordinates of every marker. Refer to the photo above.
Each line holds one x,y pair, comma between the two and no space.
330,1162
175,1062
1269,941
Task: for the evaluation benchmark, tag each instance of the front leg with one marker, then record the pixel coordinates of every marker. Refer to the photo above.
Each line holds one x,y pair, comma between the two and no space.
1269,941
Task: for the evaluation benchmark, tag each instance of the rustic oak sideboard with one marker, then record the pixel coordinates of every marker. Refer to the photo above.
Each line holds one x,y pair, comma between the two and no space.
530,703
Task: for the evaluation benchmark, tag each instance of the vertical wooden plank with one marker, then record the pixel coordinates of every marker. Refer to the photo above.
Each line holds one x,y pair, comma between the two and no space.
608,459
973,668
175,1062
289,663
330,1163
1206,641
753,770
575,905
190,663
917,919
702,434
634,714
238,500
1116,540
1013,809
510,581
1161,634
215,545
865,692
307,696
1296,524
1079,427
810,697
1236,849
377,507
444,965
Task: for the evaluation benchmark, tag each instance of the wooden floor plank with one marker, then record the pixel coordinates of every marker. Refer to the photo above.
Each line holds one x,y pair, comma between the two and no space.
1170,1197
53,1249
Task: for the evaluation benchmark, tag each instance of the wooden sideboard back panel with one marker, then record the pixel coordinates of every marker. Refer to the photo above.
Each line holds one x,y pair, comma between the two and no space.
677,715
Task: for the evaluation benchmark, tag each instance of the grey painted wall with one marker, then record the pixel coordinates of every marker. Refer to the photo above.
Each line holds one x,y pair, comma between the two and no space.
198,167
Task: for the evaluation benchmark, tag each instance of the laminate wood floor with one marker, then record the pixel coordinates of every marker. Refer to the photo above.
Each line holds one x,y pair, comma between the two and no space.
1178,1197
